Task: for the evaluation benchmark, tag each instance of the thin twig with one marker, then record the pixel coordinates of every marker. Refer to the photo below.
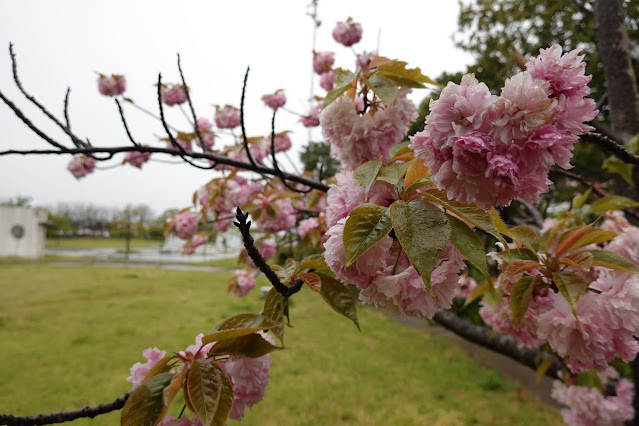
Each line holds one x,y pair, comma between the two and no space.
611,146
188,99
126,128
245,139
280,174
581,180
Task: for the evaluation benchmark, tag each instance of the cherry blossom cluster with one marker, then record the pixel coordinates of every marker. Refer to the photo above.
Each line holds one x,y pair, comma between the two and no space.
174,94
492,149
275,100
227,117
81,165
248,376
347,33
184,224
111,86
136,159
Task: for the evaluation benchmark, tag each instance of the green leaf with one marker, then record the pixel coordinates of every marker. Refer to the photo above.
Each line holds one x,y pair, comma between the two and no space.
398,147
274,309
612,202
526,236
615,165
366,226
571,286
518,254
314,261
581,259
594,236
145,406
344,82
469,244
250,346
393,173
366,173
498,222
384,88
286,273
543,368
611,260
210,392
520,297
423,231
580,199
339,298
478,291
410,77
467,212
239,325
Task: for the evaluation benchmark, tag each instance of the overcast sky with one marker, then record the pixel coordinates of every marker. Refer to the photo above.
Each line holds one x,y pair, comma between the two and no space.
63,43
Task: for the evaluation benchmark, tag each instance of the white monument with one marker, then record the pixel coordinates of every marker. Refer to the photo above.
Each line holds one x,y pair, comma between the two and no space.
22,231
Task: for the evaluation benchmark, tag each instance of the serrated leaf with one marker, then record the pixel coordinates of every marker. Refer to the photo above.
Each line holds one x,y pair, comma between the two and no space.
581,260
250,346
210,392
366,173
314,261
499,224
415,172
594,236
393,173
543,368
383,87
568,240
467,212
239,325
615,165
518,266
285,273
145,405
176,384
312,280
274,309
571,286
520,297
365,226
526,236
399,148
339,298
612,202
611,260
469,244
398,69
423,231
343,83
579,199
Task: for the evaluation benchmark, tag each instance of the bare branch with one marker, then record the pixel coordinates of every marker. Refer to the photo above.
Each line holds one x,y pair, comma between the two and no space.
126,128
276,166
64,416
611,146
245,139
188,98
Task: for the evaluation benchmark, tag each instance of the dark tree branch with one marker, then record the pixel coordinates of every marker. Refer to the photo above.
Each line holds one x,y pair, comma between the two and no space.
64,416
245,139
244,226
280,174
126,128
579,179
188,98
611,146
500,343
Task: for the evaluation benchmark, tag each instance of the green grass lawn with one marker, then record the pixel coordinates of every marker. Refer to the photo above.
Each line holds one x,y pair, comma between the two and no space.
85,243
69,336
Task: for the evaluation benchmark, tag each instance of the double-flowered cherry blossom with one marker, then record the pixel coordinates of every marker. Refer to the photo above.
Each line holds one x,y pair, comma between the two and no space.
173,95
347,33
275,100
111,86
81,165
227,117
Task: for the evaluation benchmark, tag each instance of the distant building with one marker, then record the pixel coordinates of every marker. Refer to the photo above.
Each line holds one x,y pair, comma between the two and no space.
22,231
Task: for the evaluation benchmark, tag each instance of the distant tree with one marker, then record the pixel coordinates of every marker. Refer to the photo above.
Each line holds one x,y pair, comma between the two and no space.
317,159
18,201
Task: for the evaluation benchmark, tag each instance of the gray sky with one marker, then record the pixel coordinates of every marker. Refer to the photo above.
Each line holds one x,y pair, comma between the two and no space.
63,43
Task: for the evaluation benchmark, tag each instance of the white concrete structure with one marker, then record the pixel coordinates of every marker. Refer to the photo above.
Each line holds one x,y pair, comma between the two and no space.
22,231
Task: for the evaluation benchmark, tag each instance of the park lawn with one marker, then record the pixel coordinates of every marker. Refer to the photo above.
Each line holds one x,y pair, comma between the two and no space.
86,243
227,262
69,336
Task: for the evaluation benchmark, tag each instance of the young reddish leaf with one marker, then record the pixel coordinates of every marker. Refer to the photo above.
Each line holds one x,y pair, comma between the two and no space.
210,392
571,286
518,266
579,199
518,254
569,239
250,346
274,309
366,226
423,231
526,236
365,174
594,236
378,61
312,280
611,260
339,298
285,273
469,244
145,406
467,212
399,149
416,172
612,202
520,297
160,367
176,384
393,173
239,325
582,260
314,261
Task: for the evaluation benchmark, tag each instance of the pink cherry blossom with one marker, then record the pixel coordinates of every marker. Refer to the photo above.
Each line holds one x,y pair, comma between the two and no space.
328,80
111,86
355,139
173,95
81,165
565,73
284,215
242,283
276,100
168,420
207,137
307,225
196,241
198,350
588,407
282,143
312,119
323,62
139,370
227,118
466,285
136,159
204,125
347,33
184,225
